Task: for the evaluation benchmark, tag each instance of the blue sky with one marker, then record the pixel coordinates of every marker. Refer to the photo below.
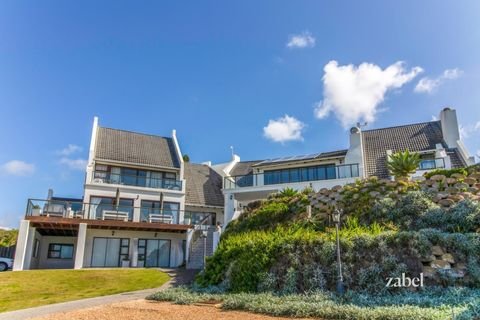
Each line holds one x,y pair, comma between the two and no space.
221,73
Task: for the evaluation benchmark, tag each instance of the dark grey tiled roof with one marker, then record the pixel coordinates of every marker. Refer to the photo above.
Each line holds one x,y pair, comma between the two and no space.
243,168
203,186
126,146
414,137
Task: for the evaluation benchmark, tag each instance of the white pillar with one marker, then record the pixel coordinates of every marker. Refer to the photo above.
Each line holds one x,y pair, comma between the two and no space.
21,245
80,251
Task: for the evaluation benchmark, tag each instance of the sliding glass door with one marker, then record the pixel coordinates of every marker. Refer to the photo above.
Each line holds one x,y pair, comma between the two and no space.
107,252
153,253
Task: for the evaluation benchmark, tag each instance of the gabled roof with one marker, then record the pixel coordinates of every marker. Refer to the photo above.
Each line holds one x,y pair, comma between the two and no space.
137,148
243,168
203,186
414,137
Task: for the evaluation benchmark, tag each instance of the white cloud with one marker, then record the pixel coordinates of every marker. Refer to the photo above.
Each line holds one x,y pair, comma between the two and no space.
428,85
18,168
5,228
284,129
467,130
303,40
70,149
434,118
75,164
353,93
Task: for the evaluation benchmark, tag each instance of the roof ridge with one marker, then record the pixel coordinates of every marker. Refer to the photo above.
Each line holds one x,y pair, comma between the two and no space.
403,125
134,132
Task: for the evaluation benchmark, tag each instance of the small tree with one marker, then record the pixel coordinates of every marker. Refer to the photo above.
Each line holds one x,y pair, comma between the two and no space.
403,164
186,158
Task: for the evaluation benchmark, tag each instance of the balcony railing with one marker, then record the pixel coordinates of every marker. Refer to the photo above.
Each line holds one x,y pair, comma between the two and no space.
98,211
293,175
137,181
430,164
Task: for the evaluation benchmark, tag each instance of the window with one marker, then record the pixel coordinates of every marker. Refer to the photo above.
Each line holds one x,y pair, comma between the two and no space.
100,204
60,251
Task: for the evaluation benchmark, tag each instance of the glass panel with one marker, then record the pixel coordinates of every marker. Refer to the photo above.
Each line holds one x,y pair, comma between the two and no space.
99,252
284,176
294,175
321,174
141,242
125,242
331,172
164,256
312,174
170,175
54,254
66,252
304,174
129,176
152,253
113,250
355,171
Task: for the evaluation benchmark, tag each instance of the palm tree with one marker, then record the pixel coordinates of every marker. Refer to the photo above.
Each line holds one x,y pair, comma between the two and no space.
403,164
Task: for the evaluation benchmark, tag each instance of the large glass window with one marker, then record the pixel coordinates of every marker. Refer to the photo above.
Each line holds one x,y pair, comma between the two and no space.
60,251
307,174
153,253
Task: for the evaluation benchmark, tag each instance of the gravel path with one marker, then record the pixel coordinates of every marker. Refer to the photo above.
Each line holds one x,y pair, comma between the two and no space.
151,310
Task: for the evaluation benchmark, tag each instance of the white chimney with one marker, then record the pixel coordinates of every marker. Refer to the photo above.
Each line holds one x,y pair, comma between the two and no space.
450,129
355,151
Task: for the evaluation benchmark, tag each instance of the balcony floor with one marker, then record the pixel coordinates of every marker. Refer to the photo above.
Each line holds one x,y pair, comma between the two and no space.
69,226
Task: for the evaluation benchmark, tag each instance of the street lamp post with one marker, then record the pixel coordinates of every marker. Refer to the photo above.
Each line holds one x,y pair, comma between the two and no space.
204,236
337,218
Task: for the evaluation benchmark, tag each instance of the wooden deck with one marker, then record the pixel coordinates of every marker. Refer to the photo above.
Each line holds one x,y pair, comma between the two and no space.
69,226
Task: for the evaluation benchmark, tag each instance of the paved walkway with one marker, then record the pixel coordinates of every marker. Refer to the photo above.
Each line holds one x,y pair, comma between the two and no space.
179,277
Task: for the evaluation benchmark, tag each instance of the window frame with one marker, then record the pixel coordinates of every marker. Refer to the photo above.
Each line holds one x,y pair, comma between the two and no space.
50,250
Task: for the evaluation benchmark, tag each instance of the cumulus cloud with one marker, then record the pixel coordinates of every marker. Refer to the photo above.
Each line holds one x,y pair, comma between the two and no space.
353,93
5,228
74,164
70,149
284,129
18,168
428,85
303,40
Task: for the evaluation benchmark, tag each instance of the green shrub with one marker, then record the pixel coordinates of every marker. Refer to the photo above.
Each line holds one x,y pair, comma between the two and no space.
446,172
434,303
463,217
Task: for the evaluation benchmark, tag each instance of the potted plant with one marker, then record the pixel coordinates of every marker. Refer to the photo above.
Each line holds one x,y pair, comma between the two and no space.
125,262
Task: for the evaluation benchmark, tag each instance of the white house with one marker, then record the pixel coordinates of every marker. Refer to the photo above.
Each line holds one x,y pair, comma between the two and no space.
438,142
143,206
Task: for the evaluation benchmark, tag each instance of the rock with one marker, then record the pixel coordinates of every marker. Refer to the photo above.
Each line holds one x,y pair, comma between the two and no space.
456,197
440,264
429,182
461,185
452,190
429,258
475,176
438,177
437,251
456,273
461,265
448,257
451,180
470,181
429,272
323,191
337,188
473,190
457,176
442,195
374,194
446,202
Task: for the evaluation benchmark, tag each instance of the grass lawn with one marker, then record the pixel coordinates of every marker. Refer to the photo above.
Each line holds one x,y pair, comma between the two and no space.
25,289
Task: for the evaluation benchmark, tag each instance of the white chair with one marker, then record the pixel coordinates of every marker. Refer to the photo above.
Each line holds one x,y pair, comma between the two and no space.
161,218
114,215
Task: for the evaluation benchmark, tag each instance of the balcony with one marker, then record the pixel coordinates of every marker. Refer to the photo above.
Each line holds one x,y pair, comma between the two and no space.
431,164
136,181
294,175
109,212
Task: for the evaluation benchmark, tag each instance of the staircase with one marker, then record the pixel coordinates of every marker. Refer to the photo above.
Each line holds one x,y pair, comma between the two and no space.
198,246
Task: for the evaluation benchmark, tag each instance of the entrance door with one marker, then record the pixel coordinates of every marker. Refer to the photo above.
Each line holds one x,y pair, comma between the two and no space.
108,251
153,253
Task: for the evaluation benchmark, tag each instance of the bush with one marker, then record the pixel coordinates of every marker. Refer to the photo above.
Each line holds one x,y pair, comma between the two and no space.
435,303
446,172
463,217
